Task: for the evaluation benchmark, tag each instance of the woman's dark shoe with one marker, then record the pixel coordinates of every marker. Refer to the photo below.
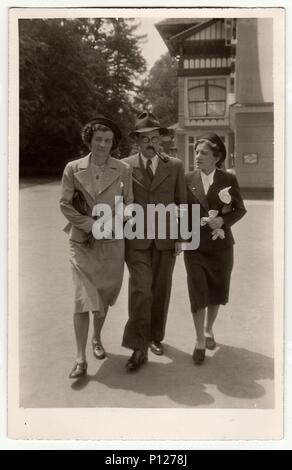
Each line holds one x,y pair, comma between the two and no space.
199,356
98,350
210,342
137,359
79,370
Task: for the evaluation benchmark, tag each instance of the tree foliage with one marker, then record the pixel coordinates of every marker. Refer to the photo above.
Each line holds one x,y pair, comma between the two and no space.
160,91
70,70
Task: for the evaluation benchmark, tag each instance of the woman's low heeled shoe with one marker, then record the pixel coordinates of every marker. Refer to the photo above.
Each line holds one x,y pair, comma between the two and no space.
98,350
210,342
79,370
199,356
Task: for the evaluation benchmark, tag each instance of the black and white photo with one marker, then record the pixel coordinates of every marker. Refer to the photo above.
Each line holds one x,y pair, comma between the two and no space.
112,111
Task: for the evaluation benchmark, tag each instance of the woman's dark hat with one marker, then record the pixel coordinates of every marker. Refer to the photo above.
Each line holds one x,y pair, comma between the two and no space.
216,141
100,119
147,122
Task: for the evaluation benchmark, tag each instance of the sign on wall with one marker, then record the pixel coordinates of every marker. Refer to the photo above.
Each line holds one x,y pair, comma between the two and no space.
250,158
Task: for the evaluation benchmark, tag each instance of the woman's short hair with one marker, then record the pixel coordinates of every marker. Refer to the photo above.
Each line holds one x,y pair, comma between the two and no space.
215,144
100,123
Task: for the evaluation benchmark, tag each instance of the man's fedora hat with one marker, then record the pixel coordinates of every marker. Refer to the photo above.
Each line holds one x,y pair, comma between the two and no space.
147,122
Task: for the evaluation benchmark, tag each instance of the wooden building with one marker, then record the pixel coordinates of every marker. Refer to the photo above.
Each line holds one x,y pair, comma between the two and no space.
225,81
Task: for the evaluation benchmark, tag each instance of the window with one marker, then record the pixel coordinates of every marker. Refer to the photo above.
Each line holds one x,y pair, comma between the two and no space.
228,31
191,141
207,97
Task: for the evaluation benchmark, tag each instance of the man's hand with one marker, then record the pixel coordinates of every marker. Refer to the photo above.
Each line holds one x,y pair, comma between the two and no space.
102,230
107,230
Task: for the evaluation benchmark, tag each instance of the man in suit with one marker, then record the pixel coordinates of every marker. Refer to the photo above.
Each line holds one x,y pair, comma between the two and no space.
157,178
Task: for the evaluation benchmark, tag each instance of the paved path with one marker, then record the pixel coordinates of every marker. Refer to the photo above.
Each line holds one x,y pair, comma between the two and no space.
238,374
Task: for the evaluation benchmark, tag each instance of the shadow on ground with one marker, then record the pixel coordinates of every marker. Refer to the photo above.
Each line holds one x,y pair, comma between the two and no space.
234,371
26,183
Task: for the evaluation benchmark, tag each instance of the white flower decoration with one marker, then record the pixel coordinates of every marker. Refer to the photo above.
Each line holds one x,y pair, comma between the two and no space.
122,184
213,213
224,195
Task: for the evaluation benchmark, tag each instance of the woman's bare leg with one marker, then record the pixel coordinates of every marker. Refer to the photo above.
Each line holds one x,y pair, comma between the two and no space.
199,321
98,322
81,325
212,312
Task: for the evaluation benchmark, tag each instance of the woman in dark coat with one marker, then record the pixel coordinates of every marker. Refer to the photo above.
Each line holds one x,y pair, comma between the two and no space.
209,267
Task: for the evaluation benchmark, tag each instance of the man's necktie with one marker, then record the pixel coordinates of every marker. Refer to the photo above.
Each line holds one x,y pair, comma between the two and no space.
149,169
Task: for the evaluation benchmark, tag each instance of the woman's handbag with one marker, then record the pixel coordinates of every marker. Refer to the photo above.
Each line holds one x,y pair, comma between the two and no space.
79,203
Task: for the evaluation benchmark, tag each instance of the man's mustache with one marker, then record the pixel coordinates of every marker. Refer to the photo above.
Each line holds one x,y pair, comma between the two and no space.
150,147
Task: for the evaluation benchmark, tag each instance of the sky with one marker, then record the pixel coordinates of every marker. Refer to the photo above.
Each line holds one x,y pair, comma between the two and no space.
154,46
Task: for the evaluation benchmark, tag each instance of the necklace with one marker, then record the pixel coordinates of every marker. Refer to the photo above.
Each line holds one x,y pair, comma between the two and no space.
98,170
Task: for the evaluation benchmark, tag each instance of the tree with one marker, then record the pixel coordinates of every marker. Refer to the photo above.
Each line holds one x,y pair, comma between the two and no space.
56,92
125,64
160,90
70,70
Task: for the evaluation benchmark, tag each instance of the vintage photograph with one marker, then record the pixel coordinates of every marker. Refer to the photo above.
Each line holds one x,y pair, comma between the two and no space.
126,124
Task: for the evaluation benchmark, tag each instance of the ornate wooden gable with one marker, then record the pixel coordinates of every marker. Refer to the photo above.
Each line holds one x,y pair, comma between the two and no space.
204,48
206,51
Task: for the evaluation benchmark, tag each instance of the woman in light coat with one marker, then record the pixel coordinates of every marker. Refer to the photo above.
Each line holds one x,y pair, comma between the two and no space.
96,254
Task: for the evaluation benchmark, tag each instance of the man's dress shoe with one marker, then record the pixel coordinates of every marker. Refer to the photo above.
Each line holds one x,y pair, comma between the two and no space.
156,347
137,359
79,370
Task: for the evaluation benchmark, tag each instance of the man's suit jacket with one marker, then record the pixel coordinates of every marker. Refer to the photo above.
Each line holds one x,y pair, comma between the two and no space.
231,214
116,181
167,186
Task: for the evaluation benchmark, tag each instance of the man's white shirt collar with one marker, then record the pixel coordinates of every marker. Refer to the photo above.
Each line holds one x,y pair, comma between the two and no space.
154,162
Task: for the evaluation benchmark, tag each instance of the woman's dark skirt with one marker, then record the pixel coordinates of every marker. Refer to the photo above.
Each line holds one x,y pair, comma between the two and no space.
208,276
